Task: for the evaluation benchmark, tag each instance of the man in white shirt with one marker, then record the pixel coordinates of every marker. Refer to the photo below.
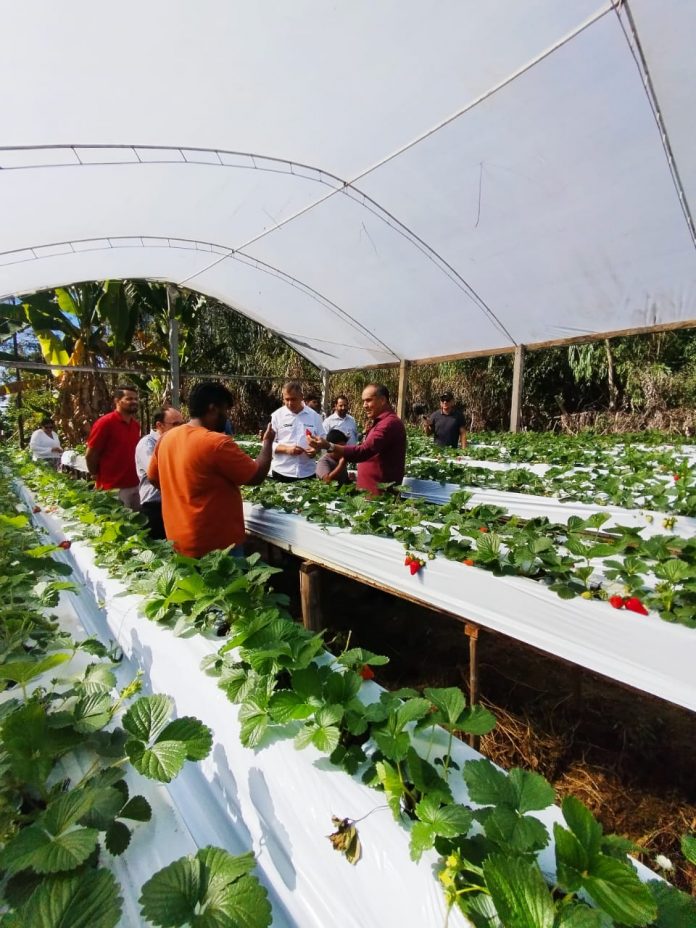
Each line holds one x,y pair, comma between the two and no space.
293,457
44,444
342,420
150,498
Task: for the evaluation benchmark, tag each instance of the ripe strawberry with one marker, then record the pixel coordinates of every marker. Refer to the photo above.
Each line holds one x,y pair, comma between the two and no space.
308,433
366,672
483,529
407,560
36,509
415,566
616,601
677,476
64,544
633,604
468,561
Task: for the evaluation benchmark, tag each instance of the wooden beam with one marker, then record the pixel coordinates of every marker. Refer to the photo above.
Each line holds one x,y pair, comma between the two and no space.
403,389
310,595
20,414
174,371
325,398
472,632
517,389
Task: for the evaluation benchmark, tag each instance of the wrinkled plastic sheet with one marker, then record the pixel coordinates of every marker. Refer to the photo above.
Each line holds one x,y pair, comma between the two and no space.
528,506
641,651
275,800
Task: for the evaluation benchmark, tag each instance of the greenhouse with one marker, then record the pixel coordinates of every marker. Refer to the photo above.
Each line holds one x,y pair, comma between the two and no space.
283,642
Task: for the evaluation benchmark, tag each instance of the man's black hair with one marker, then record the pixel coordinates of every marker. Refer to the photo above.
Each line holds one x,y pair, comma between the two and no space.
158,416
337,437
46,421
380,390
308,397
293,386
123,388
341,396
205,394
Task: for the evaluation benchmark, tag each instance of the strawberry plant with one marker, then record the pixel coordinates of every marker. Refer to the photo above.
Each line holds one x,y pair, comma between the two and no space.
285,684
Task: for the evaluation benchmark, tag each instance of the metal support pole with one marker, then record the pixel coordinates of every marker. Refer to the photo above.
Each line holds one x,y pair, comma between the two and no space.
325,398
403,389
472,632
517,388
174,372
20,416
310,595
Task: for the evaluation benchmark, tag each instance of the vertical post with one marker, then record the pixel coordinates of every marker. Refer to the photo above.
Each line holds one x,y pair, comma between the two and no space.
20,415
403,389
325,399
310,579
517,388
173,346
472,632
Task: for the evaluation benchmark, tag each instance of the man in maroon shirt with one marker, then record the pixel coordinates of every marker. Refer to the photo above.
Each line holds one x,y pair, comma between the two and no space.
111,448
381,456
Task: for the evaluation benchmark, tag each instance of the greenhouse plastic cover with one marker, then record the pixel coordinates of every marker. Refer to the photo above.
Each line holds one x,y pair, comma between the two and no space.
372,181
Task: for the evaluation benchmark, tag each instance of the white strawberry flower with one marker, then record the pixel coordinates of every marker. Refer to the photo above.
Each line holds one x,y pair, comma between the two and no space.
664,863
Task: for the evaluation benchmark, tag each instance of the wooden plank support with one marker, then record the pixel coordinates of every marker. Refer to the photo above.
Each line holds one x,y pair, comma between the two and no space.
472,632
310,595
403,389
517,389
325,397
174,371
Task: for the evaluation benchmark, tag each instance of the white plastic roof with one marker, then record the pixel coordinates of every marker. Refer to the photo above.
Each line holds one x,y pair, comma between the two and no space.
371,180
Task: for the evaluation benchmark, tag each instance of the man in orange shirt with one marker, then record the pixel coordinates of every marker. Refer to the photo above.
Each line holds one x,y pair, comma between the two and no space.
199,471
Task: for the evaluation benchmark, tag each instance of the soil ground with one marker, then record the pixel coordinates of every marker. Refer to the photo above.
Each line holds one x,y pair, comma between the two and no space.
629,757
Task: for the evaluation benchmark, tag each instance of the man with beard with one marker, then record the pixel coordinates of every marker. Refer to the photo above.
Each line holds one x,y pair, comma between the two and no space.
342,420
199,471
111,448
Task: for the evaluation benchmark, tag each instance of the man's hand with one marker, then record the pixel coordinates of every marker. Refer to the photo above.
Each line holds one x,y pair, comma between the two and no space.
269,434
316,442
310,452
57,449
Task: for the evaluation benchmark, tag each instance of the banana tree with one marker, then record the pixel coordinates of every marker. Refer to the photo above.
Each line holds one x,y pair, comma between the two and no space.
88,324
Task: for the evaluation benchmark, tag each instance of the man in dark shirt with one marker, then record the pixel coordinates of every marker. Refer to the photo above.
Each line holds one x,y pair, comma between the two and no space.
447,426
381,456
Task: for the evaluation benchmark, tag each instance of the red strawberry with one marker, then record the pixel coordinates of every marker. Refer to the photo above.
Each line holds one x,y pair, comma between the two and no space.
407,560
468,561
308,433
414,567
616,601
635,605
36,509
64,544
677,476
366,672
483,529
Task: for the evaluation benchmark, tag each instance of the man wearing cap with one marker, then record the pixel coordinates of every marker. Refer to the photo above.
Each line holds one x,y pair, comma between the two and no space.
447,425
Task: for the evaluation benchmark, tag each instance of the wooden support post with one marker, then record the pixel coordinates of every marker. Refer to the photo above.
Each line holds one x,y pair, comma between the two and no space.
325,398
472,632
20,414
174,373
517,389
310,595
403,389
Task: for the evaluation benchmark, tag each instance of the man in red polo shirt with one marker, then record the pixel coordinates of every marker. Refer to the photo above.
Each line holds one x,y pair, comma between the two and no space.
111,448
